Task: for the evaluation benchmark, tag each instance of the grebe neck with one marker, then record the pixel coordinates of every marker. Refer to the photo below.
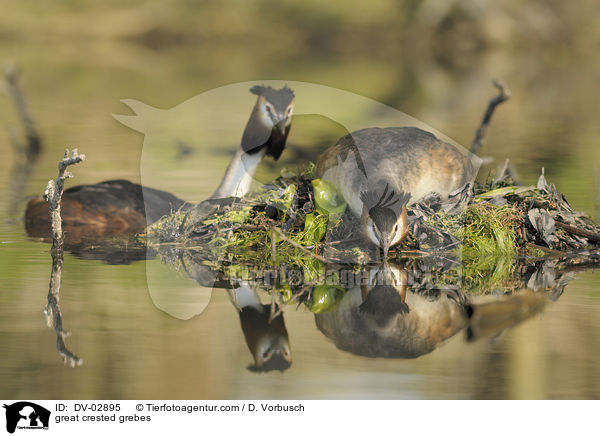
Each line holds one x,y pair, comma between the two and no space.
238,176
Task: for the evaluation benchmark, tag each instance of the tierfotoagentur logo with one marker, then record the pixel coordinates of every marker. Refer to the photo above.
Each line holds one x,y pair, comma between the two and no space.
26,415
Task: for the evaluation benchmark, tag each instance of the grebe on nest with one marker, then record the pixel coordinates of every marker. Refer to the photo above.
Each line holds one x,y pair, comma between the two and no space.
381,171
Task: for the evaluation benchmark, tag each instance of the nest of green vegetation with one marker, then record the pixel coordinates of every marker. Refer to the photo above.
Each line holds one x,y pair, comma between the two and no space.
280,215
298,220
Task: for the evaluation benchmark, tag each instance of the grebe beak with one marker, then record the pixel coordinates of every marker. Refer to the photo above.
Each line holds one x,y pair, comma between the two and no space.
280,125
385,246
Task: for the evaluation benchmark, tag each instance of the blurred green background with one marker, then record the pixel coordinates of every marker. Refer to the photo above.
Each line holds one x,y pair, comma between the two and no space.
433,60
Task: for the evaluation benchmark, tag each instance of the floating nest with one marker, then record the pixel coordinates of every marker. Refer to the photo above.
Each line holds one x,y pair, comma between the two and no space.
501,239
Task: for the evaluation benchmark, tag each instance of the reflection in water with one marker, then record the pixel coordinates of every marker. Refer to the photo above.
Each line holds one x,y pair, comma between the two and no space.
393,310
374,320
384,320
53,313
263,327
492,318
266,336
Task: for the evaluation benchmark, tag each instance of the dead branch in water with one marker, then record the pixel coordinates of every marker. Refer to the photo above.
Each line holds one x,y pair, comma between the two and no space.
52,312
26,149
485,122
53,195
13,90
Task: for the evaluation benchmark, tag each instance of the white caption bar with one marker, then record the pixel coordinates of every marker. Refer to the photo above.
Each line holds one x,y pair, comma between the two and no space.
23,417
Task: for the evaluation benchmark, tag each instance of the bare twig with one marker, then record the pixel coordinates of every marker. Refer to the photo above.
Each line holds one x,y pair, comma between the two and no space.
20,172
545,249
294,297
54,315
292,212
596,193
577,231
509,171
583,266
305,288
504,171
275,229
276,273
14,91
53,195
485,122
298,246
26,149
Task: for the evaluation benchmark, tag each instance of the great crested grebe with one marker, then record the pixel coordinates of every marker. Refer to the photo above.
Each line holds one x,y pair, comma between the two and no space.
121,207
265,134
381,171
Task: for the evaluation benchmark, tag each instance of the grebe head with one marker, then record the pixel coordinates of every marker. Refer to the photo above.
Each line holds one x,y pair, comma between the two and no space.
384,217
276,106
272,352
270,121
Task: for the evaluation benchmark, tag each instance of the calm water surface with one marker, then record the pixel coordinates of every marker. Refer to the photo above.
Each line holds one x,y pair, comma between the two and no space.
133,349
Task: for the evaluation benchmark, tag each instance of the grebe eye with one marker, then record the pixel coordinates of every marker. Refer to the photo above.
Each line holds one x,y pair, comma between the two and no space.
396,228
268,108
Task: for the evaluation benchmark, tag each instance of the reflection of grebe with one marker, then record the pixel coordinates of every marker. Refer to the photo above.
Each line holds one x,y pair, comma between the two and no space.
267,339
384,319
379,171
121,207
